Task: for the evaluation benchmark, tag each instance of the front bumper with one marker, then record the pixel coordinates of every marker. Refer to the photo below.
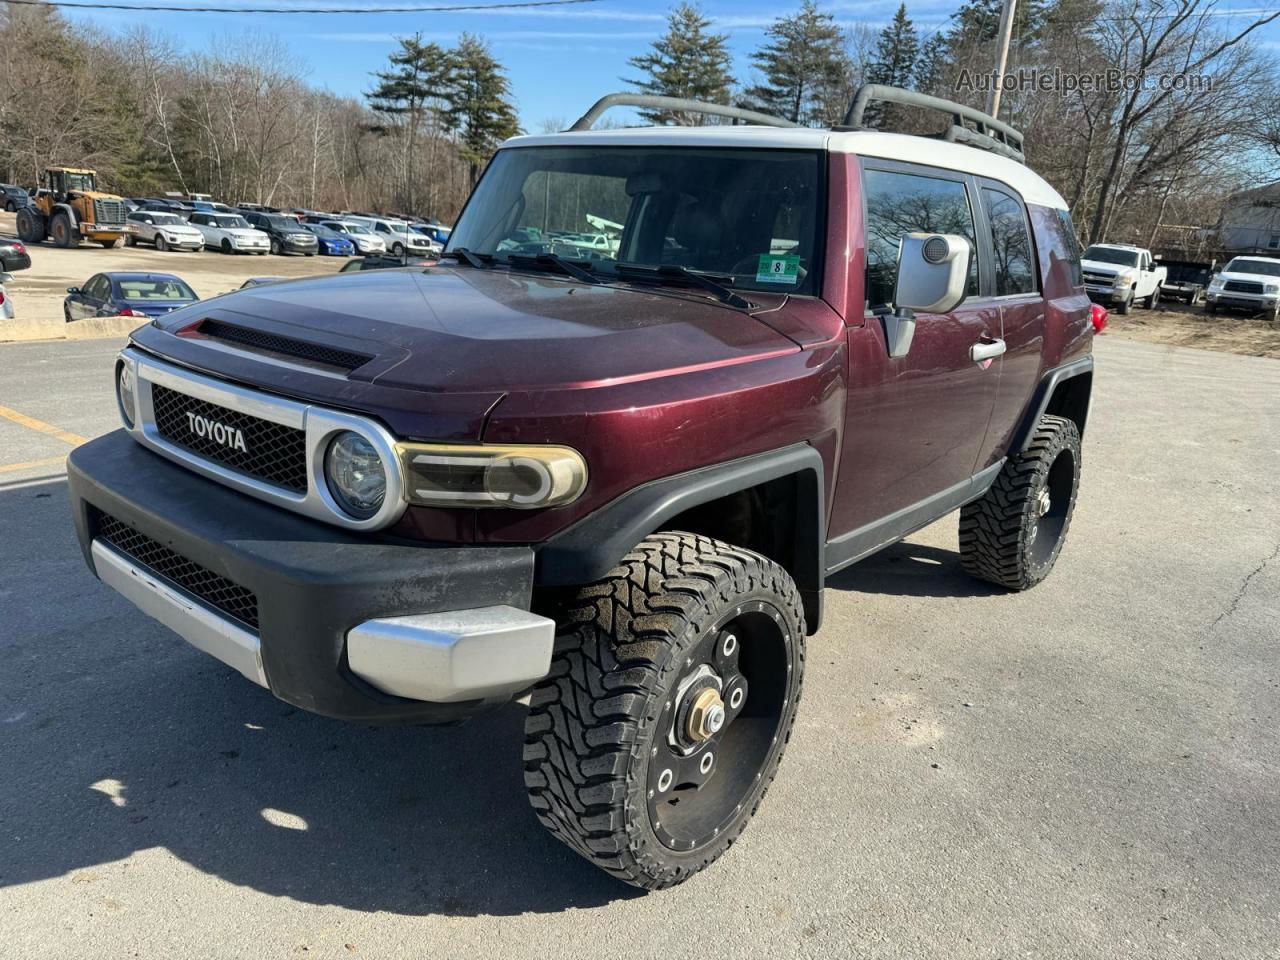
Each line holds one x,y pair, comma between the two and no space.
1107,295
1257,302
297,246
354,627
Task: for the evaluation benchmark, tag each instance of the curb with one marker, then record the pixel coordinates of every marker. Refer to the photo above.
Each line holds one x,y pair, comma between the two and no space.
17,330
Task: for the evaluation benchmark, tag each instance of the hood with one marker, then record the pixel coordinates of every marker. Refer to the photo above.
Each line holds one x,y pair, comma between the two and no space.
1102,266
1263,278
459,329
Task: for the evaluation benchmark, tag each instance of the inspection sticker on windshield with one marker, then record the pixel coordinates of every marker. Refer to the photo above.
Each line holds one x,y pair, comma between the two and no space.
778,269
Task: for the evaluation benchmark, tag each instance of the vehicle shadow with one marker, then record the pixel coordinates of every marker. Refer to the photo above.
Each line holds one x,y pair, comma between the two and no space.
117,737
908,569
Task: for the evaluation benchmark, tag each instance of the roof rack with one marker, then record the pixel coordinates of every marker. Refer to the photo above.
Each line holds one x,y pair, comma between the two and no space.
987,132
652,102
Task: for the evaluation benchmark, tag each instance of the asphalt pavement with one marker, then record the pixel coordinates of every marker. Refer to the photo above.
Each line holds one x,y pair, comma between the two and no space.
1090,769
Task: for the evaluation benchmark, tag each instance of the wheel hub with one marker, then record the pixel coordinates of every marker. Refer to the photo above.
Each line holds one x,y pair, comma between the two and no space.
706,715
1042,503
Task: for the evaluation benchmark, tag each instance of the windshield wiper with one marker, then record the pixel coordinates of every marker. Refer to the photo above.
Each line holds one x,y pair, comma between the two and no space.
554,260
477,260
675,271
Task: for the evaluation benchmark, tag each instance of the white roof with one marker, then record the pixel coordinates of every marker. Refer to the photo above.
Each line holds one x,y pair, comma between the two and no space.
863,143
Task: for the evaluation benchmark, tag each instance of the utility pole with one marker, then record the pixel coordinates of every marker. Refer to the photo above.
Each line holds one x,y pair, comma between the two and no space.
1002,58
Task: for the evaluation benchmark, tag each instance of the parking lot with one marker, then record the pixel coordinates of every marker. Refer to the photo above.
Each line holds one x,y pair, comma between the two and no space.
38,292
1089,769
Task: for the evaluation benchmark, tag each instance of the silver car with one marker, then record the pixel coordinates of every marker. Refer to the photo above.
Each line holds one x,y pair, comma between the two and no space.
166,231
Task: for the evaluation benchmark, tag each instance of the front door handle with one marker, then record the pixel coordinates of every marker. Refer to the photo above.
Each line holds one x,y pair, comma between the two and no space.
986,350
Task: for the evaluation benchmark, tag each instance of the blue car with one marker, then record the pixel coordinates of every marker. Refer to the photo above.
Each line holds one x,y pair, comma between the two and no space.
139,295
332,243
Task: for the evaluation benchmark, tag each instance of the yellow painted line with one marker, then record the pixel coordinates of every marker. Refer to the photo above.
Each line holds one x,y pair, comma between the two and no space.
31,422
32,464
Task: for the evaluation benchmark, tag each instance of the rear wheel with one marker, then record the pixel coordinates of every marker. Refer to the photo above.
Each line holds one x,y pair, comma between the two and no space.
671,697
1152,301
64,231
30,225
1013,534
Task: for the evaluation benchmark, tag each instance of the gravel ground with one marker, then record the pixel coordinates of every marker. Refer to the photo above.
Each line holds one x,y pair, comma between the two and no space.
1090,769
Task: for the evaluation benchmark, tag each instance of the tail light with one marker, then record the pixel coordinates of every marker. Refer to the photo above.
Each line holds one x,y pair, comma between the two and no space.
126,312
1098,316
1,297
19,247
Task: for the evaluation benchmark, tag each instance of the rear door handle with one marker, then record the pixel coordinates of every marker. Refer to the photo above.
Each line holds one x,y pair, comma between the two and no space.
986,350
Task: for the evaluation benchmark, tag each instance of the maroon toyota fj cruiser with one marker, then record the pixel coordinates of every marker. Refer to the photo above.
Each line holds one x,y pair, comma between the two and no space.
671,379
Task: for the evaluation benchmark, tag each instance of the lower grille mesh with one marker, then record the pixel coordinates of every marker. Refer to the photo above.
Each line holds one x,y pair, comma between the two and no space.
217,591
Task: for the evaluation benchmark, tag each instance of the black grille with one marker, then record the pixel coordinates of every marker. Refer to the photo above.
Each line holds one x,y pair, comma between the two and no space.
317,353
217,591
272,452
1243,286
1102,279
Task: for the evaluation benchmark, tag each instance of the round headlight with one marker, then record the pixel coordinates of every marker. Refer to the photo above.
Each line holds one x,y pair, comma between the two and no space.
356,475
124,393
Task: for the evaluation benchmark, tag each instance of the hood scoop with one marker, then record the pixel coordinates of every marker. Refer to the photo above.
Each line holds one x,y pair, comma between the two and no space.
281,346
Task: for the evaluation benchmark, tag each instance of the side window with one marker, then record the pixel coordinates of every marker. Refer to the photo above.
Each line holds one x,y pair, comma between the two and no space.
1010,243
899,203
97,288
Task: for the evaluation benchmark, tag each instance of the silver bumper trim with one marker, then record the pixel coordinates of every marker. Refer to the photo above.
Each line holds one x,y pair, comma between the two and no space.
195,623
486,653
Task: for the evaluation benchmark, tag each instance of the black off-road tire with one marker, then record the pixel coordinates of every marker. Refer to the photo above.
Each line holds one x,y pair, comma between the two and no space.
30,226
624,648
63,231
1004,537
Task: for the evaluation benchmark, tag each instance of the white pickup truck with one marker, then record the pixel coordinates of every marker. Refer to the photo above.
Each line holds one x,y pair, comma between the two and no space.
1247,283
1117,275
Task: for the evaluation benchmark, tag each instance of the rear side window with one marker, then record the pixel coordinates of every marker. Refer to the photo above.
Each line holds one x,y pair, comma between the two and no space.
899,203
1070,245
1010,243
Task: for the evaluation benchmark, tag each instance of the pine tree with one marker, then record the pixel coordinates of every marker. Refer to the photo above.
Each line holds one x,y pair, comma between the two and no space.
931,65
480,110
411,94
805,67
686,62
897,51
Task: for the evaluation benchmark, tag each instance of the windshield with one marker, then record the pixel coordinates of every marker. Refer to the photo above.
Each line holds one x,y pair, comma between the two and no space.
230,222
747,215
1125,258
166,219
1267,268
281,223
80,181
166,289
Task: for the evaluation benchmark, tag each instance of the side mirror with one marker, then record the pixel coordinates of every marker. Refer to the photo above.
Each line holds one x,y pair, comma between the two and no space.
933,273
73,289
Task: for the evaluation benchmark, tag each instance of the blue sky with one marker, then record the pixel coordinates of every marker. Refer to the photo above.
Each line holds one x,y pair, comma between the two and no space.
559,59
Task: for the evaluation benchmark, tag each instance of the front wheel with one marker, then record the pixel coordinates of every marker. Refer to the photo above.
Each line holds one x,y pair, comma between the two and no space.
1012,535
226,246
161,244
1125,306
672,694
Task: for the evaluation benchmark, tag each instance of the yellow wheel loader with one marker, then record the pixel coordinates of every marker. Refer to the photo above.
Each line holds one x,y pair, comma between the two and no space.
68,208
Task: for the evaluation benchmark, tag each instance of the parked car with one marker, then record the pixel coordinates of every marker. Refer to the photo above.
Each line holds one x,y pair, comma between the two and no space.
1247,283
397,236
230,233
652,597
127,295
362,238
331,242
13,197
286,233
184,210
1121,275
13,255
1186,280
164,231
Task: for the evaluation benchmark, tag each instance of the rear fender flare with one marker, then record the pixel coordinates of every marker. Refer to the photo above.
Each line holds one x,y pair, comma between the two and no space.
1066,391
